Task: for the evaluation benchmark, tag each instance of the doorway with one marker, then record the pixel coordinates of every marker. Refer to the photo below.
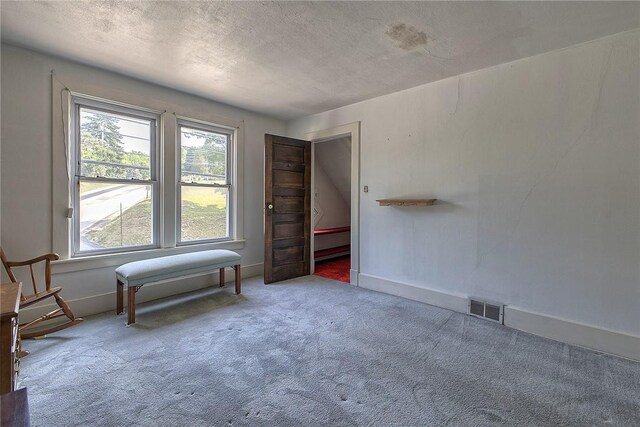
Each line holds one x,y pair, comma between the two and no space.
344,142
331,214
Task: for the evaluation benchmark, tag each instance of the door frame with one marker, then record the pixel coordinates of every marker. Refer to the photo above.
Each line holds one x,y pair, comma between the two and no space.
352,130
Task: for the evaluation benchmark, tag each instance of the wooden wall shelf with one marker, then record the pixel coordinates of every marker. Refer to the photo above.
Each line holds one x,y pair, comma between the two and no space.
406,202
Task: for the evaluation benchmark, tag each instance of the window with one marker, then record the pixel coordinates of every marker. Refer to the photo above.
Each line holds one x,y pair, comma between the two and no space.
115,185
130,174
204,182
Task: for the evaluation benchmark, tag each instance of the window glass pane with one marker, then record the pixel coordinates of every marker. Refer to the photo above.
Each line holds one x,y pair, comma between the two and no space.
204,213
114,145
203,156
115,215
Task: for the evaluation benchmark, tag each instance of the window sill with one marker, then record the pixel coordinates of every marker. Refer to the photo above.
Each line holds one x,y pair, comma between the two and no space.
111,260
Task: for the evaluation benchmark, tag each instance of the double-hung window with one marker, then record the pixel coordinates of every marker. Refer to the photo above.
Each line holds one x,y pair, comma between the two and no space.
204,182
115,185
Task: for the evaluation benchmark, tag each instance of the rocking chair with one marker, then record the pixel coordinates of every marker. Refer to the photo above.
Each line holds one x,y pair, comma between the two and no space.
27,300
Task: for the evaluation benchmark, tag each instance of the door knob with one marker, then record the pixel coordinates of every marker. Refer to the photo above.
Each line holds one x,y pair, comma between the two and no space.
270,206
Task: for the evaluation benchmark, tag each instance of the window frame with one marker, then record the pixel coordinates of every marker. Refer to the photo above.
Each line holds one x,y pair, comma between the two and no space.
77,102
229,172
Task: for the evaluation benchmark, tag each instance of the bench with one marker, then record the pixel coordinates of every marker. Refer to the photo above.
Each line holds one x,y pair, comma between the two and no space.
138,273
333,250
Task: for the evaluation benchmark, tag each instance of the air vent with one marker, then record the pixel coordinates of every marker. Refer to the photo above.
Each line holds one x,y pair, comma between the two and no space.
486,310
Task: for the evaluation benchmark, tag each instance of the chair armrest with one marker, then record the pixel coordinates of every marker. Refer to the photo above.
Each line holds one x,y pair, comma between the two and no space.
50,257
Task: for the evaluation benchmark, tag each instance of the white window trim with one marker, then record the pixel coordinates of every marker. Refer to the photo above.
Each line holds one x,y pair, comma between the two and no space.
231,176
78,100
62,174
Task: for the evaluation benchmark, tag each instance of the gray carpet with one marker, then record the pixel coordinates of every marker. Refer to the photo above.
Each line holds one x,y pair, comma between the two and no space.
317,352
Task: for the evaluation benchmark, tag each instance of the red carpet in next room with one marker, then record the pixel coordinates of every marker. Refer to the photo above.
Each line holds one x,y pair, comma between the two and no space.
336,268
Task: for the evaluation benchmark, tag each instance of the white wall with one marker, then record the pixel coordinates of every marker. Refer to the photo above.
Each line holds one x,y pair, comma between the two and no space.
26,165
334,208
333,211
334,156
537,167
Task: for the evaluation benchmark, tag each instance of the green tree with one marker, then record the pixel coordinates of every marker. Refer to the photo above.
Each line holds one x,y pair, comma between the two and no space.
140,159
209,158
195,161
216,154
101,144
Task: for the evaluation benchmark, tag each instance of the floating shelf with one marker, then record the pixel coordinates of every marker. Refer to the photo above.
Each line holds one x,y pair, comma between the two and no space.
406,202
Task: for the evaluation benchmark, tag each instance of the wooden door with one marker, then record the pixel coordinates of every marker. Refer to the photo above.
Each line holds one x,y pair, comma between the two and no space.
287,236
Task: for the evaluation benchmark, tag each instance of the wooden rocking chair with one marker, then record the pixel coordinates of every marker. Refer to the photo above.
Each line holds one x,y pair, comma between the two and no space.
27,300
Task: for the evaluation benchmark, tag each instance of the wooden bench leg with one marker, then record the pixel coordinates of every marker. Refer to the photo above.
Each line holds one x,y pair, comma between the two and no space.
131,309
119,297
237,269
222,277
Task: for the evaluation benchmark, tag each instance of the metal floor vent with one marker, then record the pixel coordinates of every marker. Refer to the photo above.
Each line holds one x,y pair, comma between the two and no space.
486,310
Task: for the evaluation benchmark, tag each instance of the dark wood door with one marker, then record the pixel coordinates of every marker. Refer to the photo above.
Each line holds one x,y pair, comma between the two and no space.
287,236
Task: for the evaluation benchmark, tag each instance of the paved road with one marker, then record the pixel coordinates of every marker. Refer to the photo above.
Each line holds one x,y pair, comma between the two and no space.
96,206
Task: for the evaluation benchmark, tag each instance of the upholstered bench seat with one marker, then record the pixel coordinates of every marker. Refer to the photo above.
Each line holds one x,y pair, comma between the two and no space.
137,273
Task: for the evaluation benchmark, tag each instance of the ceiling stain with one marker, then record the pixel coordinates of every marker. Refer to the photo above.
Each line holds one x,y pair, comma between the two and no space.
105,25
407,37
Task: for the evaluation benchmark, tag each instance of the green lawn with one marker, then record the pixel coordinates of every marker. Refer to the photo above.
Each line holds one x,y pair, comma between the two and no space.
202,221
204,213
203,217
85,187
133,229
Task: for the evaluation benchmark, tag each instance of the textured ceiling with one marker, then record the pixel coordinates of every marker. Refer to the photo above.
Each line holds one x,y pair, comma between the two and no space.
289,59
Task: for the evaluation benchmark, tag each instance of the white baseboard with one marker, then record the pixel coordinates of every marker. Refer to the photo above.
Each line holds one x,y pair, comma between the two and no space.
563,330
95,304
570,332
406,290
